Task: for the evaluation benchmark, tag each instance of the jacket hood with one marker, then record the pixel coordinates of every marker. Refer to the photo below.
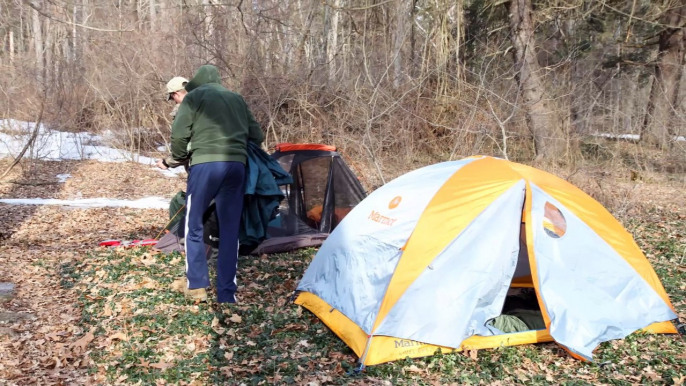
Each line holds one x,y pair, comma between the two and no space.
205,74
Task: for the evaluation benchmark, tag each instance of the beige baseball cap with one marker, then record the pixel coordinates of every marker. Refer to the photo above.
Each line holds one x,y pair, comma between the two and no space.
177,83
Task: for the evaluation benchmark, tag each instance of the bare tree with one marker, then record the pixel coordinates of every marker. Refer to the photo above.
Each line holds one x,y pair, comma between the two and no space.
541,118
669,68
38,40
332,16
403,21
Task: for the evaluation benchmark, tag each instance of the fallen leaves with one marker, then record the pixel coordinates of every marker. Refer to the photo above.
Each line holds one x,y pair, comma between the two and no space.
107,312
118,336
413,369
128,292
161,365
148,259
178,285
45,252
83,342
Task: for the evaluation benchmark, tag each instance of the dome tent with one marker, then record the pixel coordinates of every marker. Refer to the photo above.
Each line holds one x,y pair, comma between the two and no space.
427,260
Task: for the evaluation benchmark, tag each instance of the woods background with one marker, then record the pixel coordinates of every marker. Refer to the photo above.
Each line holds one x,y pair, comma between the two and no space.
394,83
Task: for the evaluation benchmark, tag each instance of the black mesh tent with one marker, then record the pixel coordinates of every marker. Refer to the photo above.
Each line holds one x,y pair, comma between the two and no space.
323,191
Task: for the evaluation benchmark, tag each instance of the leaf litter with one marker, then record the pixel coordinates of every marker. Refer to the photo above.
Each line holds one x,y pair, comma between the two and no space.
103,316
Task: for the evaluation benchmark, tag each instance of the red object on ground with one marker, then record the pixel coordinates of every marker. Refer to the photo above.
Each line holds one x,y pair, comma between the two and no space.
303,146
128,244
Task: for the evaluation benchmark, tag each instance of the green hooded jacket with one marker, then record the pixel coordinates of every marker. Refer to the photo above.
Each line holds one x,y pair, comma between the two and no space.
213,124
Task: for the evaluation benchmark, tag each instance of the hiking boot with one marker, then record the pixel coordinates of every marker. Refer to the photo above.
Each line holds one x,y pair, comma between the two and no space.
198,294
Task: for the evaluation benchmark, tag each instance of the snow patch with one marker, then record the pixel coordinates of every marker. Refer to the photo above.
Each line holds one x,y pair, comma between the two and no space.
632,137
143,203
53,145
62,178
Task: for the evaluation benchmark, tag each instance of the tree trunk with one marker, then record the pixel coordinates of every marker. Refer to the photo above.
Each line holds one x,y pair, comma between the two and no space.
457,31
332,38
413,34
47,42
11,42
153,15
548,141
22,26
403,19
209,29
664,92
38,39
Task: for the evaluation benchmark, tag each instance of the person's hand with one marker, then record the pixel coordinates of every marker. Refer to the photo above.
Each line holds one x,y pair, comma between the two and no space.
160,164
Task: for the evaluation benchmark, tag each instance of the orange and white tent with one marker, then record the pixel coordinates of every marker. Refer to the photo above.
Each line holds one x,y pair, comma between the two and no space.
425,261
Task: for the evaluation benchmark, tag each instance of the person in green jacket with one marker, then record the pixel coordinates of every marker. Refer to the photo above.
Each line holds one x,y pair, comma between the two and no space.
211,129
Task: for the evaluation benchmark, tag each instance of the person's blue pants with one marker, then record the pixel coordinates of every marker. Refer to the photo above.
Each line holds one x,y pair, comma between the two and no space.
223,182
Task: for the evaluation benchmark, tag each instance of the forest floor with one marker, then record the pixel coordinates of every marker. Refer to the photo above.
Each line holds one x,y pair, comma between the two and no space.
84,314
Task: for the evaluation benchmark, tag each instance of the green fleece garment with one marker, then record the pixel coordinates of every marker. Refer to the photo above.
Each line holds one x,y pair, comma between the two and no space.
213,124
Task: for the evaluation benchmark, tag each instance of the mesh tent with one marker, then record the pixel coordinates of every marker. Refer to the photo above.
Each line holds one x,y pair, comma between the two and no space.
323,191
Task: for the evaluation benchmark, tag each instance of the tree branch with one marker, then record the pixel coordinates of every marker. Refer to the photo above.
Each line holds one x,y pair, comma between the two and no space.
31,140
44,14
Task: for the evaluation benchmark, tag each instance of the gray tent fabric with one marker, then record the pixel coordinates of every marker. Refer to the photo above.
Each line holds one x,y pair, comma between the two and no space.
289,243
602,290
171,242
475,272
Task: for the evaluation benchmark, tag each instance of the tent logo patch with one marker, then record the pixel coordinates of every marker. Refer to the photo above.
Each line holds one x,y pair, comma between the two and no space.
381,219
554,223
402,343
395,202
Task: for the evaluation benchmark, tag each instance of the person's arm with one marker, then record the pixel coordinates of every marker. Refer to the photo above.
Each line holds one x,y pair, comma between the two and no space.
168,163
181,132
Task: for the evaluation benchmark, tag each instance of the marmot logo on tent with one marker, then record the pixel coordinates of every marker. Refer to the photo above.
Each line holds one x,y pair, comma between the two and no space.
381,219
405,343
395,202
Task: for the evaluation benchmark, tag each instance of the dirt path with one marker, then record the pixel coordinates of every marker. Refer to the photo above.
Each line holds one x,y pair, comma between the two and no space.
41,341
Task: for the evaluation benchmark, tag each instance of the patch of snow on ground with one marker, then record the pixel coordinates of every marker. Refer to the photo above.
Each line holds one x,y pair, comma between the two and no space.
633,137
143,203
53,145
62,178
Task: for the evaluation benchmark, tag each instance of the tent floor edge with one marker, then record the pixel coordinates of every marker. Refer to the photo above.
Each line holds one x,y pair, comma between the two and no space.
349,332
666,327
385,349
